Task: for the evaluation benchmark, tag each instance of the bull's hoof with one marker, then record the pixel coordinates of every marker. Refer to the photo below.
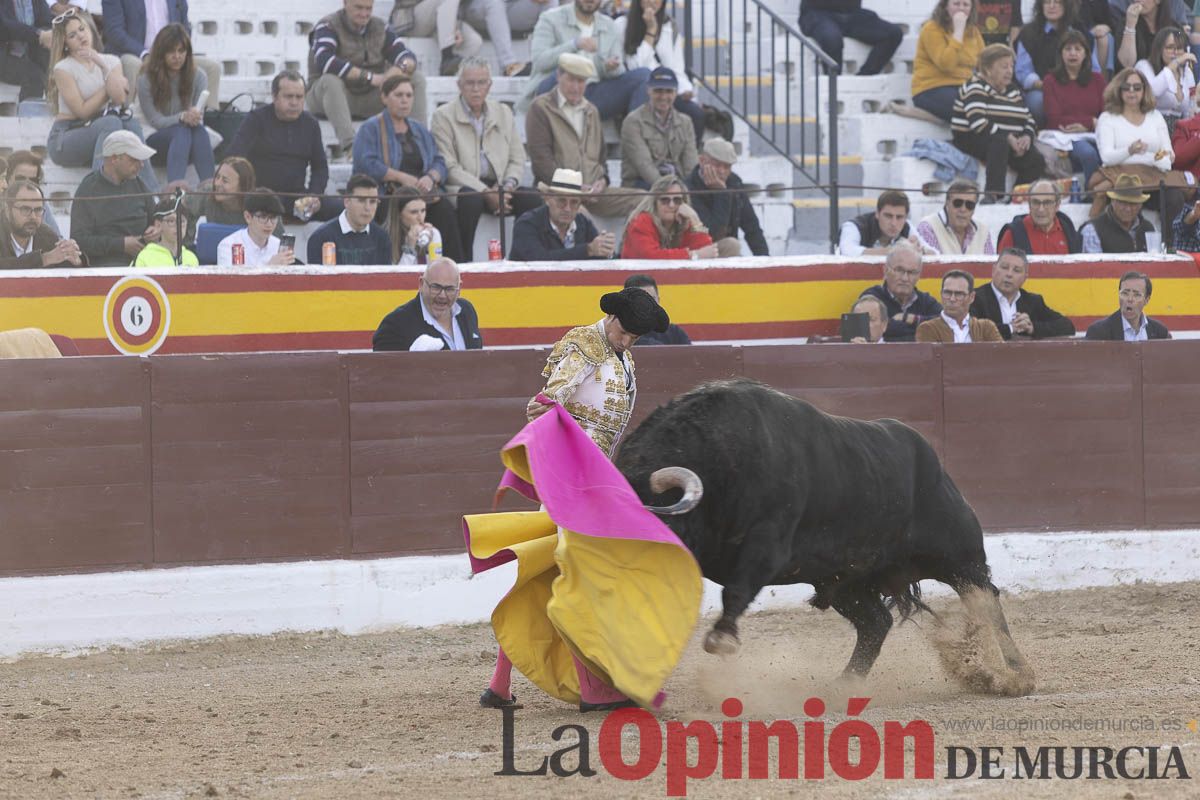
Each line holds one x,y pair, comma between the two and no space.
721,643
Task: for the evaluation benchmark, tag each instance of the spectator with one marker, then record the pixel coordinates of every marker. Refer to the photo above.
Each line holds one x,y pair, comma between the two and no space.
577,30
1000,21
495,16
1044,231
437,19
656,141
673,334
1074,98
25,241
260,246
395,149
947,51
1120,228
1168,70
356,239
1143,20
130,27
955,324
558,231
1132,137
649,41
414,241
88,96
168,250
953,230
1038,48
873,234
25,40
562,129
992,123
663,225
830,21
877,316
481,145
907,306
27,165
1012,310
283,142
169,90
438,318
1185,142
234,179
1186,229
1129,322
718,199
351,54
110,218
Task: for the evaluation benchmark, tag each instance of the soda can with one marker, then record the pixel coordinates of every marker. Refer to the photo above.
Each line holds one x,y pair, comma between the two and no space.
329,254
239,254
1076,191
494,252
435,252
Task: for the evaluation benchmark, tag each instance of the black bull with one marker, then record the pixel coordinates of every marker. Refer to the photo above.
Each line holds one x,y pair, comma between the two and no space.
862,511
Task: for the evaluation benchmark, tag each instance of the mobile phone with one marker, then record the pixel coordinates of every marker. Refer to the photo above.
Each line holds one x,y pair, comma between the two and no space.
855,325
287,242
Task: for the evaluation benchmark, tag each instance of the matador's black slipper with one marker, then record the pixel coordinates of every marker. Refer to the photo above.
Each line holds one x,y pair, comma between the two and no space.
490,699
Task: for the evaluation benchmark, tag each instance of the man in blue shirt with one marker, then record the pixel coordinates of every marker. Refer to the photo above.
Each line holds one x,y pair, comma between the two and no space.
356,239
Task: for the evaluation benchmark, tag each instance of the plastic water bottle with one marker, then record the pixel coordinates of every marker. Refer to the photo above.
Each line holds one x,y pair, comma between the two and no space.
1076,191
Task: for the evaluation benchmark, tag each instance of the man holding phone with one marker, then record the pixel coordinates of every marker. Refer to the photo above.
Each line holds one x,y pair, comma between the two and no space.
876,315
258,245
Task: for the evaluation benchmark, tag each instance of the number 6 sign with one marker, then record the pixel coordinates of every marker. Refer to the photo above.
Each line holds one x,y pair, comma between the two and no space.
137,315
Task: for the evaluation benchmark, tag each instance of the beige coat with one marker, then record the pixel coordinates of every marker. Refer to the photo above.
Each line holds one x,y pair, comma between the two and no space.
644,146
936,330
459,144
553,143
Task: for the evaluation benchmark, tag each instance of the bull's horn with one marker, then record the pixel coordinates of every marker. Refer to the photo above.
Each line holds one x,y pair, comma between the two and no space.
670,477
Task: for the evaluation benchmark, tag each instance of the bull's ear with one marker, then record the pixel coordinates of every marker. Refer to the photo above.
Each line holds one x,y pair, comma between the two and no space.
667,478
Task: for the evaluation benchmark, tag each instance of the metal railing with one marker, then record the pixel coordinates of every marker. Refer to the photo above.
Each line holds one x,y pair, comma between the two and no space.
724,37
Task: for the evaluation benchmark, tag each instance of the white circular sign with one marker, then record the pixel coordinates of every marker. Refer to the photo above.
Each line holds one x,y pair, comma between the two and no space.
137,315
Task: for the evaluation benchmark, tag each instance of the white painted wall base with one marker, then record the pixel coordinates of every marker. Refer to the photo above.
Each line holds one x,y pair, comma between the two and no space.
69,613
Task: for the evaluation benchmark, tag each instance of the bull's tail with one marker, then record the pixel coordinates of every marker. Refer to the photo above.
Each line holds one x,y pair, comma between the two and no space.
908,602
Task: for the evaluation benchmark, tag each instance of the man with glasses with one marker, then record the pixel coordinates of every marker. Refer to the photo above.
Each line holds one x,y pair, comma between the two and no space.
436,319
26,242
952,231
481,144
355,238
1129,323
260,247
1044,231
955,325
1014,311
907,306
558,231
110,217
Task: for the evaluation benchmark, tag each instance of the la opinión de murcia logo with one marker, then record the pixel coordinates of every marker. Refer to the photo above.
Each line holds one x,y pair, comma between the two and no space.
739,750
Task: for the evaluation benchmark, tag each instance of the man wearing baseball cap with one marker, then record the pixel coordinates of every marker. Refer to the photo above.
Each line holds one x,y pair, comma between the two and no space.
655,139
111,217
723,213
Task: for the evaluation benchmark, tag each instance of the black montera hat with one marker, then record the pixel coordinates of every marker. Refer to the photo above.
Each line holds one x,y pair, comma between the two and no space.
636,310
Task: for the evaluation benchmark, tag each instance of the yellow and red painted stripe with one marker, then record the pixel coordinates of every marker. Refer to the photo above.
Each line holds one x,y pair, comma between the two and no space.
221,310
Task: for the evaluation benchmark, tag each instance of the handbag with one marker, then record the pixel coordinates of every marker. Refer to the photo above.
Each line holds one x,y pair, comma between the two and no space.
226,121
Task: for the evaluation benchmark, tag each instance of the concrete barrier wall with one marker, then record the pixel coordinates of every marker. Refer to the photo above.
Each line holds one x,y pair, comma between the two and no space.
124,463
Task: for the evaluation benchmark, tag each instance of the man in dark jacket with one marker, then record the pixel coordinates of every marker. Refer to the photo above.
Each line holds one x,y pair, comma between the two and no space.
436,319
724,212
907,306
874,233
558,231
1128,323
1120,228
1017,312
673,334
22,229
1044,231
25,45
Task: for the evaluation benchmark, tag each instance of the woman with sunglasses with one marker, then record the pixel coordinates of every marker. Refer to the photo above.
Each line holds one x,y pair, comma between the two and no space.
663,225
1074,99
169,90
88,95
1133,139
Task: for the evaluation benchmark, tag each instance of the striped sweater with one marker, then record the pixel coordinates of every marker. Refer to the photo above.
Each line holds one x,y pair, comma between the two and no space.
982,110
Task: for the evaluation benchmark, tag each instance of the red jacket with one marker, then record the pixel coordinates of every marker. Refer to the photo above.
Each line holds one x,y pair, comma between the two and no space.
641,241
1185,141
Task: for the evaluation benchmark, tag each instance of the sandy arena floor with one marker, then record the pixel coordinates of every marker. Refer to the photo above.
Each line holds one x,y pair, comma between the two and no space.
396,714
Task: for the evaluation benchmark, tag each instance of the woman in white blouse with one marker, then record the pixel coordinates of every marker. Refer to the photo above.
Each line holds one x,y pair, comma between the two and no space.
1169,72
649,41
1132,137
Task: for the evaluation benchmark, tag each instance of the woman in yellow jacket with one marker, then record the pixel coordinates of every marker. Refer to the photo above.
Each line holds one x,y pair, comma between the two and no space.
947,52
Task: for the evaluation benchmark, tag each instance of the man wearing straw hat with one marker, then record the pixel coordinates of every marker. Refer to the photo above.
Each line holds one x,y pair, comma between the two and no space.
1120,228
558,231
